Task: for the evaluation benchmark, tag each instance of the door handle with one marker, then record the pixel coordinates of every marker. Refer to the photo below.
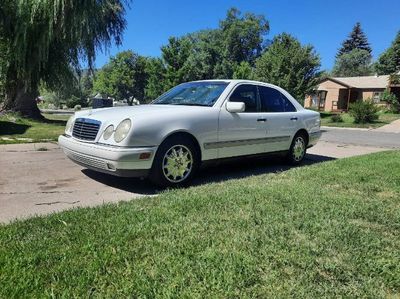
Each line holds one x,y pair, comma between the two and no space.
293,118
262,120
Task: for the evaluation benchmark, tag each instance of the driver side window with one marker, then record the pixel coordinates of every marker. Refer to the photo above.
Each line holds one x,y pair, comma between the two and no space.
247,94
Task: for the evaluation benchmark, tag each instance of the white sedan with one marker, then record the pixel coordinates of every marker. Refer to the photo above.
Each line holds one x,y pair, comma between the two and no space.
193,123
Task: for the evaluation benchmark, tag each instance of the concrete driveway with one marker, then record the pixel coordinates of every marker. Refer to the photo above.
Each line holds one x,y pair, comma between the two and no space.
39,179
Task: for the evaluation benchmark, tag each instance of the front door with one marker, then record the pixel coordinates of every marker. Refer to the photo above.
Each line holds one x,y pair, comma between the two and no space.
242,133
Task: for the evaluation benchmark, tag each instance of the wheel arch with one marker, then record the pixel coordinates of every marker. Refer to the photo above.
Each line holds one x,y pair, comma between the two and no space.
185,134
305,133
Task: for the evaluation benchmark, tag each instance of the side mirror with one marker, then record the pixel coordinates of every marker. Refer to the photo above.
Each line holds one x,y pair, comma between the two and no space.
235,107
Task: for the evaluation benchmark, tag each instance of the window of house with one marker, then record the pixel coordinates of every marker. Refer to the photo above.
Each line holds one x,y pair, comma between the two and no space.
377,96
247,94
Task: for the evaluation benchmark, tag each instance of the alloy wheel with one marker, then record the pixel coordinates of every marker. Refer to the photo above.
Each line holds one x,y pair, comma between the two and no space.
299,149
177,163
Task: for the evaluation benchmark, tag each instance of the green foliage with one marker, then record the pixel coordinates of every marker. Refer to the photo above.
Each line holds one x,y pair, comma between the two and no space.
389,61
4,60
356,62
216,53
76,91
243,36
336,118
155,86
290,65
356,40
49,36
243,71
364,111
74,101
175,56
123,77
391,100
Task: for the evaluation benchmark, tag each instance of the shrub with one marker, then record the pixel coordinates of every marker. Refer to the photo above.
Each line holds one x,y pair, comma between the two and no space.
391,100
336,118
364,111
77,107
74,100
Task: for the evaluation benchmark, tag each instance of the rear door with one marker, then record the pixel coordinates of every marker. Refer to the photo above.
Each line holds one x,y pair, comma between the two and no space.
281,116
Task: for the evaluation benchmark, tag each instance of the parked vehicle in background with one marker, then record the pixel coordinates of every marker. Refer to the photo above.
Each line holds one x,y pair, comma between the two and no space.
193,123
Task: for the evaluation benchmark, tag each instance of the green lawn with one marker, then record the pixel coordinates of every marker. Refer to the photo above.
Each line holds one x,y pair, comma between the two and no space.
326,230
15,129
348,121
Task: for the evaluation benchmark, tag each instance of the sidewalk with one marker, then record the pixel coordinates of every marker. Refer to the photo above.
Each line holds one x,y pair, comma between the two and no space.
393,127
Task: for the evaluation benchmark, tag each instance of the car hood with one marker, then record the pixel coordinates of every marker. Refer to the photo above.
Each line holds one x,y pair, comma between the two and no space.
120,113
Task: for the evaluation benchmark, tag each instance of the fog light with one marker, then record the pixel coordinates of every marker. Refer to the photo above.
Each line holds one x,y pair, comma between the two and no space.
144,156
110,166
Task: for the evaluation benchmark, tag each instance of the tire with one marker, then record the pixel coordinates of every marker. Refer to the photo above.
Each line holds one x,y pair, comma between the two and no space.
298,149
176,162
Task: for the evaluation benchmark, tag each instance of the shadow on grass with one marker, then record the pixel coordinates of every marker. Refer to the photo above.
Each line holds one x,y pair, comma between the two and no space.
58,122
11,128
218,173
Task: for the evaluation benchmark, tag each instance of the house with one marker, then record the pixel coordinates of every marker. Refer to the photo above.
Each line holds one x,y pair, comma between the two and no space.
336,93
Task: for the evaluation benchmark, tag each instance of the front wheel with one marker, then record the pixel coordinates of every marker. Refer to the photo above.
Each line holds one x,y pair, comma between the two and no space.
297,150
175,163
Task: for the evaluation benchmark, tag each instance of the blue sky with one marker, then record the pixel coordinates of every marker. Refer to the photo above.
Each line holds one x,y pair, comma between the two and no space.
324,24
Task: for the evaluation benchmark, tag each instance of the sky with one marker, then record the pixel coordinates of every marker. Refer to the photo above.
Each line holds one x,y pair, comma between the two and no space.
323,24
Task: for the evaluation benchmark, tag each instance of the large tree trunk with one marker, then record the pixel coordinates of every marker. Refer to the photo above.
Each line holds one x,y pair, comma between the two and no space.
19,99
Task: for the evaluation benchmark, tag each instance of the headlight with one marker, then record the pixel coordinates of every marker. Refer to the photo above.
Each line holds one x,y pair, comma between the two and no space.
108,132
70,123
122,130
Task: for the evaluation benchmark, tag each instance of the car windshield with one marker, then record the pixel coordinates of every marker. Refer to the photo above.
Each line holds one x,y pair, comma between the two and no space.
193,94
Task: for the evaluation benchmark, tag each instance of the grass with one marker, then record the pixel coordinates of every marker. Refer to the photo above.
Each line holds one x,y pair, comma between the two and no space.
15,129
326,230
348,121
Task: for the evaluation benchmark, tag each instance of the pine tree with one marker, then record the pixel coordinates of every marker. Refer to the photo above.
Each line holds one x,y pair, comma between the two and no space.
356,40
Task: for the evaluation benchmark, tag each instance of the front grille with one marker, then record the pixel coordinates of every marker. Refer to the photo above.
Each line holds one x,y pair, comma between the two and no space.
86,129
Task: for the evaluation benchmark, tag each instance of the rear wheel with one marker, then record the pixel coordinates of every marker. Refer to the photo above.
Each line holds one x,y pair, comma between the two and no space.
175,163
298,149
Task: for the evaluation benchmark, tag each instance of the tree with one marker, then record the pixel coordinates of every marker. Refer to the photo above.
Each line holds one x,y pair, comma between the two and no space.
50,37
243,71
356,40
175,55
215,53
123,77
290,65
354,63
155,86
243,36
389,61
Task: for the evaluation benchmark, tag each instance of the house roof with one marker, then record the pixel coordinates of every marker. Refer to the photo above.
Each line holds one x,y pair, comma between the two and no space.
363,82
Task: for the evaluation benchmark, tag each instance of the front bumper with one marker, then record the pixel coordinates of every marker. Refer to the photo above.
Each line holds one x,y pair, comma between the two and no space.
119,161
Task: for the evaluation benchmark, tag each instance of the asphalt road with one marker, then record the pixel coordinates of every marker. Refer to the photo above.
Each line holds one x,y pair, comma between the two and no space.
361,137
38,179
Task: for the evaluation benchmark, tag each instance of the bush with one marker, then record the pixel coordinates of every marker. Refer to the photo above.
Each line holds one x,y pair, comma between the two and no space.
77,107
74,101
336,118
391,100
364,111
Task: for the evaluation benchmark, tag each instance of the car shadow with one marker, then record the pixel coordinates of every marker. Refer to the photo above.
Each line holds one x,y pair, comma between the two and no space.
249,167
217,173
